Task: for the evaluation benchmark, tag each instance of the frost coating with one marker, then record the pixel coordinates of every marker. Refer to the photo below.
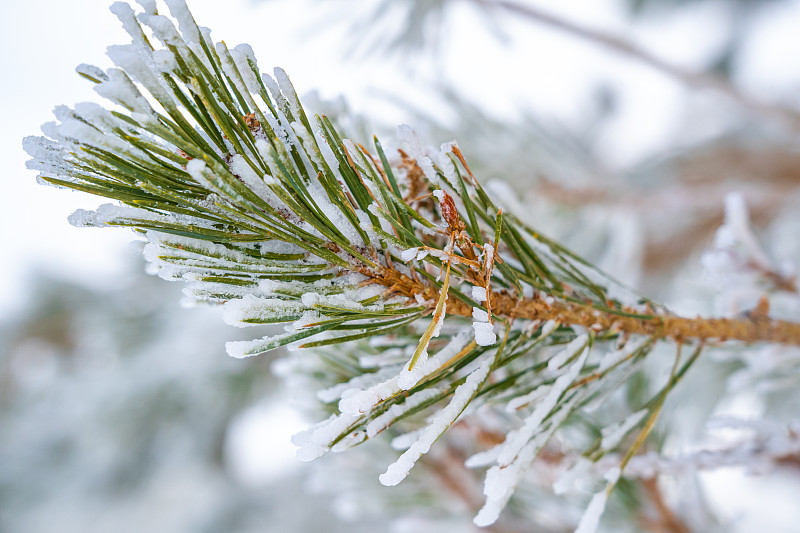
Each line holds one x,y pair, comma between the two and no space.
484,333
501,483
479,294
315,441
410,142
252,310
362,401
108,214
149,6
245,61
186,23
360,382
558,360
383,421
398,470
479,315
409,378
591,517
516,441
409,254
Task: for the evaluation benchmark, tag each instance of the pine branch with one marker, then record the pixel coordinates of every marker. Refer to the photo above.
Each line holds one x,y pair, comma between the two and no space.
274,214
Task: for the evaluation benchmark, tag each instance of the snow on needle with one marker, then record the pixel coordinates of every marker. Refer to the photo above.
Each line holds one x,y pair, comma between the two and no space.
436,322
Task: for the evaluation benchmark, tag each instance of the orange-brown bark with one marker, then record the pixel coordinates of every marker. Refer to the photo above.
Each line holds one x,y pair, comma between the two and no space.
757,327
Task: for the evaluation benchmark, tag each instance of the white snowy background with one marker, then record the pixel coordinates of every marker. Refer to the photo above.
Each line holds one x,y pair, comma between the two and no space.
541,70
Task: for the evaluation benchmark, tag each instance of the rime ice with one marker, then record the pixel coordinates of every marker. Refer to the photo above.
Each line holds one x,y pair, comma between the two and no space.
484,333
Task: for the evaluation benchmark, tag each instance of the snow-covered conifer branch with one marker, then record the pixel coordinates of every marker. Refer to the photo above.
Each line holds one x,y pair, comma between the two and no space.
270,212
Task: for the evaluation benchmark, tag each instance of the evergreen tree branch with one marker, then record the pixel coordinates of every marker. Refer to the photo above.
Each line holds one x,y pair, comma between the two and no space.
274,214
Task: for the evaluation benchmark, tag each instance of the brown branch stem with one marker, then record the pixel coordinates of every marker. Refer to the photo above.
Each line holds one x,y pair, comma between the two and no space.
756,328
752,329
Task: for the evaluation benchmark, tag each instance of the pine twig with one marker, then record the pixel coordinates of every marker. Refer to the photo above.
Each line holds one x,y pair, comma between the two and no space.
628,321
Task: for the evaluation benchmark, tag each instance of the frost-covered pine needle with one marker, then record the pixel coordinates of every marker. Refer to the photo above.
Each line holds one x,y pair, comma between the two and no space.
398,470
